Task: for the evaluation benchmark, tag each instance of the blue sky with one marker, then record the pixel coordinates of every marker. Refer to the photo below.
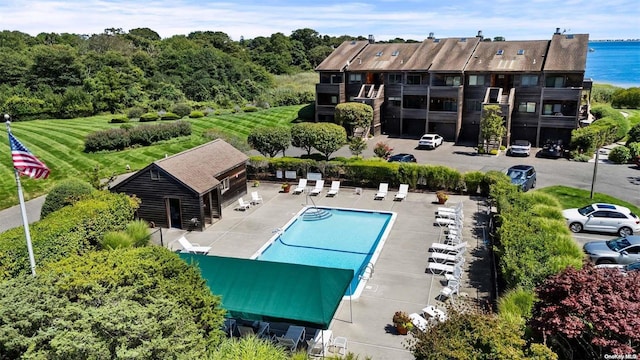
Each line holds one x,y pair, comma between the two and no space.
386,19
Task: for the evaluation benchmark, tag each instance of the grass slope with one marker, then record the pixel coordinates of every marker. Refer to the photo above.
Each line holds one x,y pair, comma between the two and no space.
574,198
60,144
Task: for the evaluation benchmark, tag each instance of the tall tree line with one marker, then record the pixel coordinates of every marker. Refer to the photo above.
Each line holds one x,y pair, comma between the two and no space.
69,75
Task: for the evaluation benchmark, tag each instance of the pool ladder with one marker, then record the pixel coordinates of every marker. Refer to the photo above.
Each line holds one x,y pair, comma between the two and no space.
368,272
313,213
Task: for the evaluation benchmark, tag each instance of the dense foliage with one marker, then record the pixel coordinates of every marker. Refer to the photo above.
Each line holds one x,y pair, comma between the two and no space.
67,192
609,127
269,141
329,138
626,98
491,125
143,303
589,313
71,75
71,230
353,115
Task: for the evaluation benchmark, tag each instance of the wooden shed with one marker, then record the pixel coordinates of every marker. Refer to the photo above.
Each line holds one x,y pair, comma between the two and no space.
188,190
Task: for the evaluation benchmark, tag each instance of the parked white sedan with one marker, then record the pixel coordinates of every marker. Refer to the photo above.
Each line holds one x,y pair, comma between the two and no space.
430,141
603,218
520,148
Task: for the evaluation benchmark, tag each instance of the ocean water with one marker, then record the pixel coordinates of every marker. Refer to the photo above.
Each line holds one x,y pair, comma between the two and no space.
614,62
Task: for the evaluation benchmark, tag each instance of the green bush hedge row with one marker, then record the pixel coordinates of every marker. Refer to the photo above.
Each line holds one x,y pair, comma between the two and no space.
371,172
70,230
119,139
609,127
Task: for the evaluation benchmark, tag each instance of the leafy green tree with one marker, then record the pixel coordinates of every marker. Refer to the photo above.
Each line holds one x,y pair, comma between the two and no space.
15,67
303,135
65,193
75,102
354,115
57,66
249,348
357,145
130,303
269,141
633,136
329,138
491,125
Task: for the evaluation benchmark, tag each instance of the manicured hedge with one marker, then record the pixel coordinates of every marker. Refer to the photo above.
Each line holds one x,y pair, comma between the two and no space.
119,139
609,127
151,116
71,230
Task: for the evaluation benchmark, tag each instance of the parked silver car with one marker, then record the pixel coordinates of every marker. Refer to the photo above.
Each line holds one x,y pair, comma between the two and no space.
520,148
604,218
624,250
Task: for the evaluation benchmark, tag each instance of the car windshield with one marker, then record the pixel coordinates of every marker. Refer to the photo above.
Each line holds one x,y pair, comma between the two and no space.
584,211
633,266
618,244
515,174
521,143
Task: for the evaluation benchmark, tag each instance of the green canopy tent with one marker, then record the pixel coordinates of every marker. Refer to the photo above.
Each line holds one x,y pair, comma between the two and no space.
273,291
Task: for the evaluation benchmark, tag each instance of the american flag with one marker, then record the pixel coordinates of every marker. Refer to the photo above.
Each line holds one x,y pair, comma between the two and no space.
25,162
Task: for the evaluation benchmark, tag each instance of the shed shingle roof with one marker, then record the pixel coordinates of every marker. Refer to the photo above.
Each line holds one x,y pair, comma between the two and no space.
198,167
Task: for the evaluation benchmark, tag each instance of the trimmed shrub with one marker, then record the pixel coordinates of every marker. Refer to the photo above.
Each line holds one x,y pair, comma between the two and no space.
196,114
181,109
115,240
620,155
110,139
150,116
634,149
249,108
138,231
119,119
517,302
73,229
472,181
135,112
170,116
65,193
634,134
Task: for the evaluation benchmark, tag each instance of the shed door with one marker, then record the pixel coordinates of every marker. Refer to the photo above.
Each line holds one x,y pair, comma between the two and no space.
174,213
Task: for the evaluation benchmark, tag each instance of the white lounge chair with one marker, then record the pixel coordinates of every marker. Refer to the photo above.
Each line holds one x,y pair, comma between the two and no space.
242,205
457,274
382,191
318,345
453,287
318,188
447,257
448,222
442,269
434,313
335,188
301,185
451,249
255,198
193,247
402,192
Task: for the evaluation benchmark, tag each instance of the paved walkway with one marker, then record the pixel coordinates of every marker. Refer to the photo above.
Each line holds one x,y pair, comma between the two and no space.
400,280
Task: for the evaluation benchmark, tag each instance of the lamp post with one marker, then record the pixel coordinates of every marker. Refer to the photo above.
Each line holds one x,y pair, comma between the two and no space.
595,171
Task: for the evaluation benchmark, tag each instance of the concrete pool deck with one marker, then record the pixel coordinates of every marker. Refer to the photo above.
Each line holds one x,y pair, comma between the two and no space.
399,281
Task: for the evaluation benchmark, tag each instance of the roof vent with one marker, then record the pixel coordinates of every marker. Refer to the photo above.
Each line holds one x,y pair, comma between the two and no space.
436,40
371,39
353,42
570,36
500,52
430,36
463,39
480,35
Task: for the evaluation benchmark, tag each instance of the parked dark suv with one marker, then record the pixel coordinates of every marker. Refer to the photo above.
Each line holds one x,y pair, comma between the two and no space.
402,158
523,176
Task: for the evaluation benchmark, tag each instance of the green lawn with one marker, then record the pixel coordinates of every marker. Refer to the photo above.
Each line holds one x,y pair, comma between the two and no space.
60,144
574,198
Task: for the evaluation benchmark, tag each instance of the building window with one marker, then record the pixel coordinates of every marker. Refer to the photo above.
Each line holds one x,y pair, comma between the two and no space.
414,79
355,78
476,80
499,52
528,107
225,185
443,104
155,174
336,78
452,80
379,53
555,81
529,80
415,102
552,109
394,101
327,99
521,52
395,53
395,78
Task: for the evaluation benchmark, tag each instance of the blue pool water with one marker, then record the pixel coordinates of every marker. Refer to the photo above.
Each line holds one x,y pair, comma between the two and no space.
338,238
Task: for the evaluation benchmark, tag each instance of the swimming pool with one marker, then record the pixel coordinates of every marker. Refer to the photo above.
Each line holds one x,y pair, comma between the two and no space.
332,237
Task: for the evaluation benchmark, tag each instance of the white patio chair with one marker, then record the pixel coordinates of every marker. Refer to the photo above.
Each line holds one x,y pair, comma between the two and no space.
242,205
382,191
318,345
193,247
335,188
339,346
402,192
444,258
318,188
301,185
453,287
255,198
442,269
451,249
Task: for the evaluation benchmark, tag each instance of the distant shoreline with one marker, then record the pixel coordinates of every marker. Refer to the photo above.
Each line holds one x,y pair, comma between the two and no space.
616,40
624,86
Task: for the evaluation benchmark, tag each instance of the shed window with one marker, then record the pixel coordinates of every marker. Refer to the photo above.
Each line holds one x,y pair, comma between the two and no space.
225,185
155,175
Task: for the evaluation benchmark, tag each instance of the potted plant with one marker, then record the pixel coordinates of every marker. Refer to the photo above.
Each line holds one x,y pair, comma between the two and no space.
402,322
286,187
256,183
442,197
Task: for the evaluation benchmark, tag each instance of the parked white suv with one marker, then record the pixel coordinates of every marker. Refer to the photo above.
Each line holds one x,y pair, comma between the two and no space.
603,218
430,141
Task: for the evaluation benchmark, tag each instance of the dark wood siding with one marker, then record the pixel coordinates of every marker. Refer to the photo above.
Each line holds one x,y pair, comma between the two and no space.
237,184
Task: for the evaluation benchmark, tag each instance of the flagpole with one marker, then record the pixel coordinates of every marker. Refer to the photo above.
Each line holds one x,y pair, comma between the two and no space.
23,209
